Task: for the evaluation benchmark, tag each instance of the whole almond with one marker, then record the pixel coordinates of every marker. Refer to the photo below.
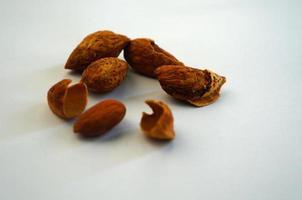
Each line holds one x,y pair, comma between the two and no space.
144,56
105,74
95,46
198,87
100,118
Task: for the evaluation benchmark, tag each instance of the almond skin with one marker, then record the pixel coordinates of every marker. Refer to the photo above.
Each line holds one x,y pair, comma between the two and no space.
67,102
144,56
105,74
100,118
97,45
159,124
198,87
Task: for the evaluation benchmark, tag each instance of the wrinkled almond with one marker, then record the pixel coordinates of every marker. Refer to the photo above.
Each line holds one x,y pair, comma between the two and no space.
198,87
100,118
67,102
105,74
95,46
159,124
144,56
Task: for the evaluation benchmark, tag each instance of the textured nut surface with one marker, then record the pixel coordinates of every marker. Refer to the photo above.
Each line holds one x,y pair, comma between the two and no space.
100,118
95,46
159,124
105,74
198,87
67,102
144,56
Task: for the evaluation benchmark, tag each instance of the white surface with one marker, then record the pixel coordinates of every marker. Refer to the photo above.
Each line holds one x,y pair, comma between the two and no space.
245,146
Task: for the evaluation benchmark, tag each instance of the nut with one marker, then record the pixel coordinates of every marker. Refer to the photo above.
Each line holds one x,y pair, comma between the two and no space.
67,102
198,87
144,56
100,118
95,46
105,74
159,124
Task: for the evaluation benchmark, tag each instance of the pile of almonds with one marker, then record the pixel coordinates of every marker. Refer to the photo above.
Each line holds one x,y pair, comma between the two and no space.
96,58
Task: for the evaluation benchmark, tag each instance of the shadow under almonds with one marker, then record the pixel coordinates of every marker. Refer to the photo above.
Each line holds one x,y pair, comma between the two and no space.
171,100
159,143
75,73
36,115
31,119
123,143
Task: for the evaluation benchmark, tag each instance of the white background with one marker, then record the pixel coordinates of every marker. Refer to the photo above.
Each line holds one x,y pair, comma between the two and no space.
245,146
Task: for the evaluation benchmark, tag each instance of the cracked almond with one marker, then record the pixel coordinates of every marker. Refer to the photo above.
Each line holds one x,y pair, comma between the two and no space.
198,87
159,124
67,102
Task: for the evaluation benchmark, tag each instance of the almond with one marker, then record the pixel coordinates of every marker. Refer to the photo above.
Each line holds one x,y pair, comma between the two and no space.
67,102
159,124
105,74
95,46
144,56
100,118
198,87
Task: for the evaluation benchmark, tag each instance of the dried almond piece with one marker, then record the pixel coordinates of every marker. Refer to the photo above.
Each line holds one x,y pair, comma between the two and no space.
67,102
105,74
95,46
100,118
159,124
198,87
144,56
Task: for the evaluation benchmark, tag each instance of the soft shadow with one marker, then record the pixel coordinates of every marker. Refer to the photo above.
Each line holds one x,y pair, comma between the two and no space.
30,119
170,100
130,70
225,95
75,73
31,113
89,158
158,143
38,82
124,143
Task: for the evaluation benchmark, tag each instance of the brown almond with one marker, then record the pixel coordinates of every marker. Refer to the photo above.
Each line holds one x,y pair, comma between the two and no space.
105,74
159,124
100,118
67,102
198,87
95,46
144,56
